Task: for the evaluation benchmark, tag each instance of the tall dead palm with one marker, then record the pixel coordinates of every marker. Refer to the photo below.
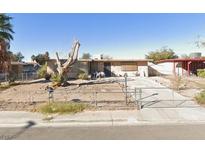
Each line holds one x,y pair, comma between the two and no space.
6,32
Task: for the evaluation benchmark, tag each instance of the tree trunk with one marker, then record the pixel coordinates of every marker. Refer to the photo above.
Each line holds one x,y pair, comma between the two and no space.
63,68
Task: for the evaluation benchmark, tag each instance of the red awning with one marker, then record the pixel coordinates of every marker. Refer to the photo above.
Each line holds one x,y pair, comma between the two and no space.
183,60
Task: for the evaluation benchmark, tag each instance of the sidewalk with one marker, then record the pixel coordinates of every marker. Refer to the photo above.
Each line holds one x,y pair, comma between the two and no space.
147,116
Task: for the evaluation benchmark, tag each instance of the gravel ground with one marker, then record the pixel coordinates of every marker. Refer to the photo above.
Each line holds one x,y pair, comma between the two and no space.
27,96
190,86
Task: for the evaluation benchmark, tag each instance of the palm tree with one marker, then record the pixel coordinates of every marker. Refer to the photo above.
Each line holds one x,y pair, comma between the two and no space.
6,32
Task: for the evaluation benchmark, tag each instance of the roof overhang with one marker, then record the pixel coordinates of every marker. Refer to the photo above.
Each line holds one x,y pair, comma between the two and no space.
109,60
183,60
117,60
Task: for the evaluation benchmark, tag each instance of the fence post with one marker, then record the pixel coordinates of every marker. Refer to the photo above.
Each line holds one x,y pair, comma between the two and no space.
140,97
21,76
26,77
50,94
5,75
96,104
125,87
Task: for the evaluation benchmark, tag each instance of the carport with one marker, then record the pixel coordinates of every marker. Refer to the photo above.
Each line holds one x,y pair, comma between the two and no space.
189,65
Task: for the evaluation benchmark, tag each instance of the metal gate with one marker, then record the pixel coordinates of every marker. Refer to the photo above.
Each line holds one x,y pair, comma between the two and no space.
161,98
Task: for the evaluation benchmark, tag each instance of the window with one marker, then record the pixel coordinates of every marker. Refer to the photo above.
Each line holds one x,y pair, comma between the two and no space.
128,66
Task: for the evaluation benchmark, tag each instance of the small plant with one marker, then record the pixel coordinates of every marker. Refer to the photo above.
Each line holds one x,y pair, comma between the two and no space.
62,108
8,85
56,79
200,98
177,83
82,75
42,71
4,87
201,73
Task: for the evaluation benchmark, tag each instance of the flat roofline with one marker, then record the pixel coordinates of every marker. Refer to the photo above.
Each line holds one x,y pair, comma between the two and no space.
112,60
122,60
22,63
183,60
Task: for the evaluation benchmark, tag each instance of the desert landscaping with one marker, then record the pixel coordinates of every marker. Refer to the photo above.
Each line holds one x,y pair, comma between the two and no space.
27,96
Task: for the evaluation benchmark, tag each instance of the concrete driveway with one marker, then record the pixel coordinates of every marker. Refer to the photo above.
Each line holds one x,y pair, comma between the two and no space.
155,95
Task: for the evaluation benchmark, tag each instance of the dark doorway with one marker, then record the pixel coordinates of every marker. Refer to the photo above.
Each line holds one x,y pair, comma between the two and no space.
107,69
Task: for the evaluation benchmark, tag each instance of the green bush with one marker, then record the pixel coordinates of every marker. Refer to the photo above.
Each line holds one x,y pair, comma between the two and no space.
62,108
42,72
201,73
200,98
56,78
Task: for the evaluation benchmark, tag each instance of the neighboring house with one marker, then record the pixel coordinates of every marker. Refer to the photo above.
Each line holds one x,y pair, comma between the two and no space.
24,68
184,66
111,67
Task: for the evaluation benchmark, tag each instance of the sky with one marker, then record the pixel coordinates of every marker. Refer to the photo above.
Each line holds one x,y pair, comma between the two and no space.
117,35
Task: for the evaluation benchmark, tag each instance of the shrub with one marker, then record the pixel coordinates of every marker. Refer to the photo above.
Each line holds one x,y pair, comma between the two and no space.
201,73
6,86
61,108
42,72
56,79
83,76
177,83
200,98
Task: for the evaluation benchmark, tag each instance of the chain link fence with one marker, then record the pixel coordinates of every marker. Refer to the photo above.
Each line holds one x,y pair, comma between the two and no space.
27,76
106,97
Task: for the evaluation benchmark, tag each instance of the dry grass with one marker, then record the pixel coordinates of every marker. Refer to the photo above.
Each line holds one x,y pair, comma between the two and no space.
200,98
6,86
62,108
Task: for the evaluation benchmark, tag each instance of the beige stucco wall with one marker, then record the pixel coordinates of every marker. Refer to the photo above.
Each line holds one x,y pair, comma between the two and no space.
141,69
77,68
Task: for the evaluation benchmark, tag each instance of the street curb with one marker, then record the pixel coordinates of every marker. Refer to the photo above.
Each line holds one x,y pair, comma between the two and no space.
81,123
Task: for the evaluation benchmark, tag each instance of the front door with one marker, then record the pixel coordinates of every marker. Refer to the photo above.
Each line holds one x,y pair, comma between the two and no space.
107,69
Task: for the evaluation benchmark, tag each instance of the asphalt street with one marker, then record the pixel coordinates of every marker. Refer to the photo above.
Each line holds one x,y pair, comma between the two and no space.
151,132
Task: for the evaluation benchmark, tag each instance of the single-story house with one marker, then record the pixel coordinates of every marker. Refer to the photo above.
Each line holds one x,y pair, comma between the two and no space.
111,67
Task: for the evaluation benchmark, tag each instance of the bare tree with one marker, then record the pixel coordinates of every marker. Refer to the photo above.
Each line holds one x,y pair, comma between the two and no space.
63,68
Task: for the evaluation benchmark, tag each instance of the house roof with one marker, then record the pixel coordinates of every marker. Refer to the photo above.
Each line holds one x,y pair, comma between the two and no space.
22,63
183,60
109,60
121,60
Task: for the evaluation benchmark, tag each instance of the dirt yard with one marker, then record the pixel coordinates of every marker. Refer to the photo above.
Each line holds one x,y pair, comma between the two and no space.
27,96
188,86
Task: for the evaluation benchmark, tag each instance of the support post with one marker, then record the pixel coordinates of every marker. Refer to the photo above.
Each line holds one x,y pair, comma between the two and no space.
174,71
189,63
